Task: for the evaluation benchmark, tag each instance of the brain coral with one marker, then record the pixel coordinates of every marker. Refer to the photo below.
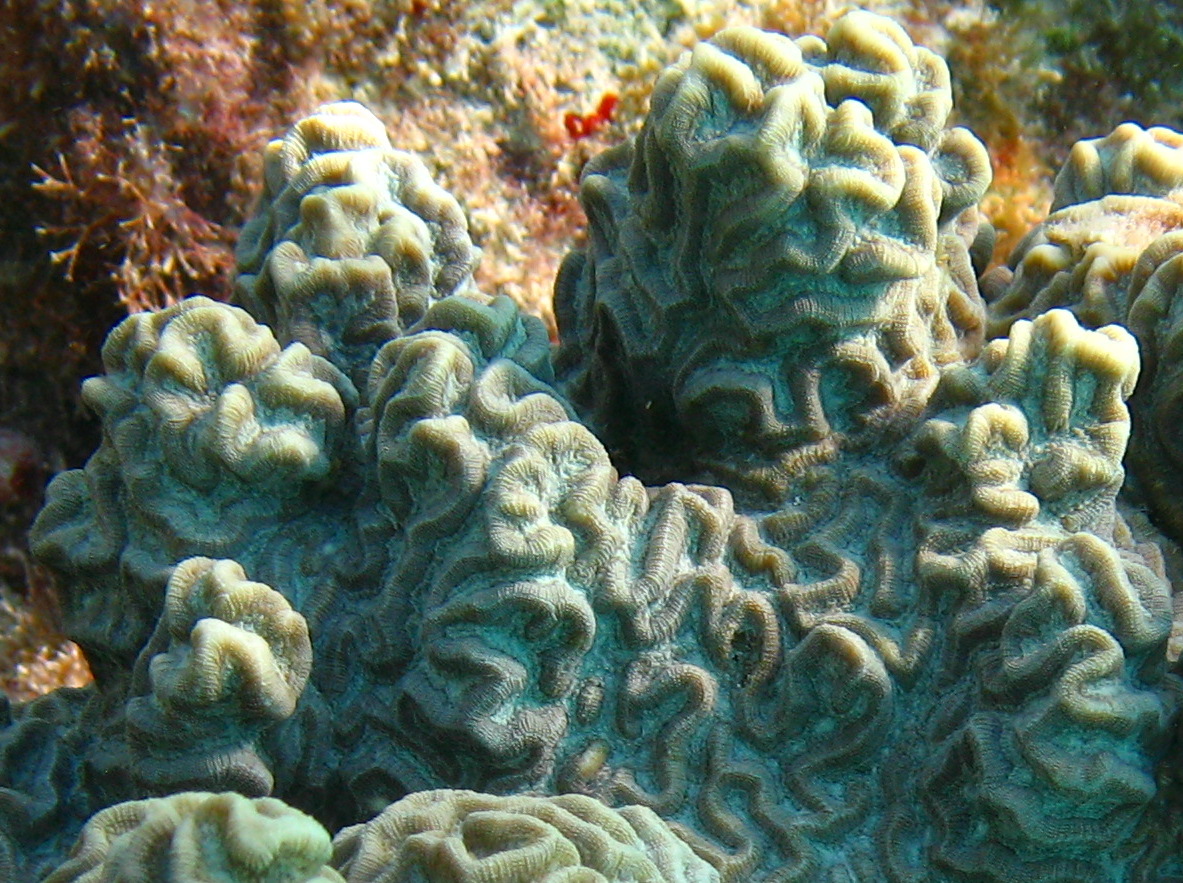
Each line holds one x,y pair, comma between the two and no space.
466,837
1112,251
816,299
445,836
779,556
197,837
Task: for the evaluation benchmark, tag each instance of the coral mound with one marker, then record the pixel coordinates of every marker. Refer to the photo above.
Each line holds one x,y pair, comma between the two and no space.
467,837
779,570
437,836
194,836
835,245
1112,251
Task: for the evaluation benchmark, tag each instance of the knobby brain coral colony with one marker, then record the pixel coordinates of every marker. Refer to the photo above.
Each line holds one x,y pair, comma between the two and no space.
802,558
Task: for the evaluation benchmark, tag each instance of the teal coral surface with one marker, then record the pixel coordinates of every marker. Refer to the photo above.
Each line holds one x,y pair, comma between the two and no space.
798,559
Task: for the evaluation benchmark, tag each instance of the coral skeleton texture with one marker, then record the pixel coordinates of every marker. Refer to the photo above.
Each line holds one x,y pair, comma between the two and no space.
796,559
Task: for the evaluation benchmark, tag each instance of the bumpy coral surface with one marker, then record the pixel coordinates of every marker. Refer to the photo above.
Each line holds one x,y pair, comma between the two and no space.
817,297
440,836
194,836
1112,251
779,555
467,837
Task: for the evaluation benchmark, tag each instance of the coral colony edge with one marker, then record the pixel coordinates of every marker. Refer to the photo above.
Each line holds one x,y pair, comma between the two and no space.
807,555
